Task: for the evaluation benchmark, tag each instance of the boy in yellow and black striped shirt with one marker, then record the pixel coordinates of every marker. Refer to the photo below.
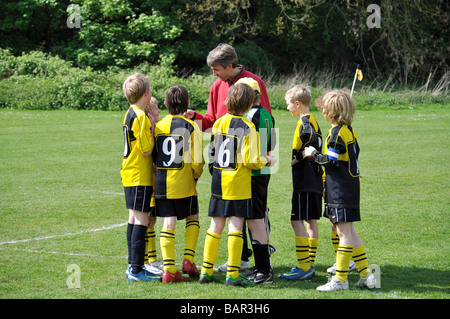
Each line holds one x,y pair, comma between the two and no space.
136,172
342,188
234,153
178,156
307,185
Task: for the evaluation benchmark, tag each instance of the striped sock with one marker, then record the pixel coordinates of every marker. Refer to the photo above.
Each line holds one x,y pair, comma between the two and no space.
334,239
302,252
150,246
360,259
313,244
190,237
210,251
167,242
235,243
343,256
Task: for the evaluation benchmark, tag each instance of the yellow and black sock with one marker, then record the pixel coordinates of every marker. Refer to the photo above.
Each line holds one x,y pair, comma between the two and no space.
343,256
190,238
235,243
167,242
313,244
334,239
210,251
360,259
150,246
302,252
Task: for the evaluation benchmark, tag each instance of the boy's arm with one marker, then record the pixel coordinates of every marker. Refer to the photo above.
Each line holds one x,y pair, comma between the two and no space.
197,160
322,159
298,144
211,154
250,152
335,147
146,134
307,133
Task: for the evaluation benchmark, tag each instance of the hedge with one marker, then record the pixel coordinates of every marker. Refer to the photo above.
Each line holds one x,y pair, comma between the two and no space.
43,82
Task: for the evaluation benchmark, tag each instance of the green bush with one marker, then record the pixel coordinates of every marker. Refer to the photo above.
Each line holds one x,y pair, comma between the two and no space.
40,81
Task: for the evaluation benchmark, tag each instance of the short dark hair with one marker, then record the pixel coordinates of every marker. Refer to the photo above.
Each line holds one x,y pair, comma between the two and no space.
177,99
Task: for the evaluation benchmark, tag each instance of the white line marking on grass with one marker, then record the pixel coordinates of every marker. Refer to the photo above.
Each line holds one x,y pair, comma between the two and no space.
62,235
101,192
62,253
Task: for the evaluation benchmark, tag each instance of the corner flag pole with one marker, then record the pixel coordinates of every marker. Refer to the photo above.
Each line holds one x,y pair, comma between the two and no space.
359,75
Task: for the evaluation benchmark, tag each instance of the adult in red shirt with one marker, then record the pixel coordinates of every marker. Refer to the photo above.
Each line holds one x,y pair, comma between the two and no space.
223,61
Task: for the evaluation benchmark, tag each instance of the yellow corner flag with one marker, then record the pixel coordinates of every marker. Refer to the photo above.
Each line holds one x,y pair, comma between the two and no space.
359,73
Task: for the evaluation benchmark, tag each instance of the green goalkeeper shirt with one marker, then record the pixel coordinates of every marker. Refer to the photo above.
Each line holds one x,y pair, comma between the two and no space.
264,124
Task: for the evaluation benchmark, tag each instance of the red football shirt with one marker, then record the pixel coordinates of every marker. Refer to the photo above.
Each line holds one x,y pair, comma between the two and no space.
218,95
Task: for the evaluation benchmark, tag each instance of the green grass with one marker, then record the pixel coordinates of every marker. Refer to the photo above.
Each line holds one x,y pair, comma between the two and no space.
60,175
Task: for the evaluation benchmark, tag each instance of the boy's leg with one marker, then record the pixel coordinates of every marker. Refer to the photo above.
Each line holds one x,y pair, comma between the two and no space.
347,237
335,242
150,242
313,244
167,242
301,244
302,252
366,277
235,242
191,238
334,238
138,240
246,252
360,259
211,248
260,245
129,235
313,239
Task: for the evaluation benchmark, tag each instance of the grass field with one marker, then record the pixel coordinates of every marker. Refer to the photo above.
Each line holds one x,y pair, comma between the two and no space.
61,203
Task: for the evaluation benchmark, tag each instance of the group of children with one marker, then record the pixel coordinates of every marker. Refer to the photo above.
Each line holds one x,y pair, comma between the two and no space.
163,159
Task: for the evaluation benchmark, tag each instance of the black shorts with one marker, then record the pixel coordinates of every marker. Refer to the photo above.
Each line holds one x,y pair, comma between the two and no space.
138,197
152,212
259,195
341,214
227,208
306,206
180,207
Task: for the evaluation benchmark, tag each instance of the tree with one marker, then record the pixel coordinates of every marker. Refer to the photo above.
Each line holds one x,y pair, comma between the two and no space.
124,33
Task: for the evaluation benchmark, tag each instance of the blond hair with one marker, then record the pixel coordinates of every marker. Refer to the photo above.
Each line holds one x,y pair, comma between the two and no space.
299,93
240,98
135,87
338,106
153,103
